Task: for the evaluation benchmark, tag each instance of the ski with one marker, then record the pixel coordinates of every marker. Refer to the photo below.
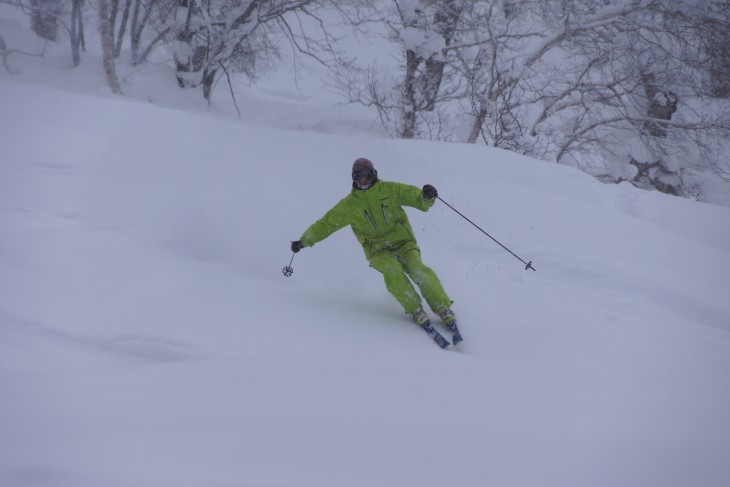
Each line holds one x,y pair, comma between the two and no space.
437,337
456,335
449,321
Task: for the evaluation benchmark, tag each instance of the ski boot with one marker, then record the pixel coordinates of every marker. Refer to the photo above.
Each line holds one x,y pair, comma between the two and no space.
422,320
449,319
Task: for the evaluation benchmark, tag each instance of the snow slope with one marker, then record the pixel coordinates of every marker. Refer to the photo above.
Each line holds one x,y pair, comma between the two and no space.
148,337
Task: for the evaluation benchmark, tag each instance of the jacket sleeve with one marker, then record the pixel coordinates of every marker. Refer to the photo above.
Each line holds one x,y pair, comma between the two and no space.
335,219
412,196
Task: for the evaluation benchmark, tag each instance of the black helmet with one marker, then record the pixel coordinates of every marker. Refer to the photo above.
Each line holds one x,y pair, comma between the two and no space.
362,169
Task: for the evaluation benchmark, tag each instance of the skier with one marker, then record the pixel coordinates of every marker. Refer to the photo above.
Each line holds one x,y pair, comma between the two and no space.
373,209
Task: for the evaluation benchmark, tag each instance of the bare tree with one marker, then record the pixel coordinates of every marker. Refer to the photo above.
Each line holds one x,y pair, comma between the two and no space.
648,112
149,15
715,36
425,51
48,15
606,86
44,18
408,103
489,62
211,36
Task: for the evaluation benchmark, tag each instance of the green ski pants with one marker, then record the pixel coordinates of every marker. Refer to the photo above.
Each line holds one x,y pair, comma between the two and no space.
395,264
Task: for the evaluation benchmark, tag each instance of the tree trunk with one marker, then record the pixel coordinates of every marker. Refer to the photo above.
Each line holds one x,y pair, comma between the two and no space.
208,80
446,21
190,62
107,45
409,95
77,31
476,128
122,29
662,105
135,32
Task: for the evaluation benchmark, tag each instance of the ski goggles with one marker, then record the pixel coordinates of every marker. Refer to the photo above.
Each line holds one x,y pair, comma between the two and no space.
361,174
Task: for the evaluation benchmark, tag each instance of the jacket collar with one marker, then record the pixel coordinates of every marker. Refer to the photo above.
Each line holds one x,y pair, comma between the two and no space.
355,187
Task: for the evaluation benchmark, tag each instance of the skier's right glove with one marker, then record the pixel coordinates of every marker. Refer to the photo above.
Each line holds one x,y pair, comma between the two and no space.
296,246
429,192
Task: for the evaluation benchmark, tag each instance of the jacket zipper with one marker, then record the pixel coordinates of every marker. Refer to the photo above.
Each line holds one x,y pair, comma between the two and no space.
370,219
385,218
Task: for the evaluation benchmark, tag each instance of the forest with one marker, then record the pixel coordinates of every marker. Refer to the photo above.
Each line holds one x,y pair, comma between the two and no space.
625,90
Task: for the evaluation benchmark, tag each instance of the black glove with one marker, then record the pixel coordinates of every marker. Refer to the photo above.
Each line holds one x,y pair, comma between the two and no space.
296,246
429,192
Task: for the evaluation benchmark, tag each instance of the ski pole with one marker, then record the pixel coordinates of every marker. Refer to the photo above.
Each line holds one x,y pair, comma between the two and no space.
528,265
288,271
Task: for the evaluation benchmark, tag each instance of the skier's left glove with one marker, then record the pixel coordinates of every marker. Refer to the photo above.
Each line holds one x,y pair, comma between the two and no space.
296,246
429,192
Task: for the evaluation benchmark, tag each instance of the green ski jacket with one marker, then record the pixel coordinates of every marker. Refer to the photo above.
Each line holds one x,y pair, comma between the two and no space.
376,217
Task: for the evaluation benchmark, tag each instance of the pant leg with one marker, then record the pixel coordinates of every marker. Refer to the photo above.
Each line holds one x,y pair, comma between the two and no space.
426,279
396,280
